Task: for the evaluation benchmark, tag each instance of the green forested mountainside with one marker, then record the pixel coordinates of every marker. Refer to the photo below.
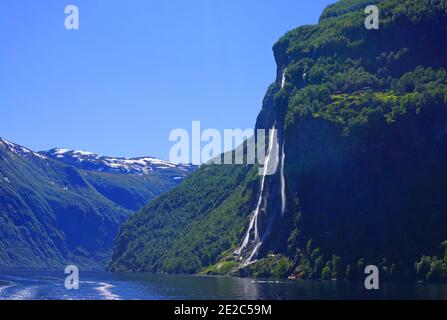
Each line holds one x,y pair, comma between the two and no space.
129,182
131,191
343,7
190,227
52,214
367,123
363,118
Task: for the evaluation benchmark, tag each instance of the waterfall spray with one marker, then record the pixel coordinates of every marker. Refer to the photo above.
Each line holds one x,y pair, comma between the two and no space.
256,239
283,180
283,80
252,236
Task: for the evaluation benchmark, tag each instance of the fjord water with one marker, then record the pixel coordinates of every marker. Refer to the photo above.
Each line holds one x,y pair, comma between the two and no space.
48,285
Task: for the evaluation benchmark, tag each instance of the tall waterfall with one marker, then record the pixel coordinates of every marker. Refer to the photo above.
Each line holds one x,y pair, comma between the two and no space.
283,157
283,180
252,234
253,239
283,80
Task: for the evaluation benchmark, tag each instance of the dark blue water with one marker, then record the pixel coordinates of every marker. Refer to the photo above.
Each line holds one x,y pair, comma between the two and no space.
101,285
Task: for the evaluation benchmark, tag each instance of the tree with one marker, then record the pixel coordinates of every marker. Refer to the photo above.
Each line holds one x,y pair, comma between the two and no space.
349,272
437,271
423,267
336,267
326,273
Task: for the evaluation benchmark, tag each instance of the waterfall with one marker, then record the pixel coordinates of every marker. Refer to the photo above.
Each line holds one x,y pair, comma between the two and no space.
261,205
283,180
283,156
283,81
253,239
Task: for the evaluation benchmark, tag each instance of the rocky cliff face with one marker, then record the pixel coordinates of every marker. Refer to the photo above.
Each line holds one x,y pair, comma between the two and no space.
361,118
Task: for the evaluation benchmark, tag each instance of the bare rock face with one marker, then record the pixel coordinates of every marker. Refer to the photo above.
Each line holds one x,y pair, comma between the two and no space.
361,118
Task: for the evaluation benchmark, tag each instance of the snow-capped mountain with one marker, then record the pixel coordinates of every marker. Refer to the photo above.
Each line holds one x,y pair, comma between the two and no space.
94,162
19,150
60,206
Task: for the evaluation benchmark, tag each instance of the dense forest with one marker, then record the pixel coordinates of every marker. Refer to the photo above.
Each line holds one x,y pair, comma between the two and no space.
362,115
53,213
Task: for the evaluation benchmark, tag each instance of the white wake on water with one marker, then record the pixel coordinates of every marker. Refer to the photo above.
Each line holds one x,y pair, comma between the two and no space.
104,290
4,288
24,294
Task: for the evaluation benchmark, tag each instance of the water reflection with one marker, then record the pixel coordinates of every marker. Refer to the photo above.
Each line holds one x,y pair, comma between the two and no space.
100,285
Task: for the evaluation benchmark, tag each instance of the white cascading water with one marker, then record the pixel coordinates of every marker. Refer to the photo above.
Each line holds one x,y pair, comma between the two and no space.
253,226
283,180
283,80
283,157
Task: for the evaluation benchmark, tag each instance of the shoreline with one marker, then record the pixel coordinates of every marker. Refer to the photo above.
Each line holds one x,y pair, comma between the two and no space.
4,283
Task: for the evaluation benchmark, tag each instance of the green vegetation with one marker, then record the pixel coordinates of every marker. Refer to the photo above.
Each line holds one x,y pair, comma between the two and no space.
188,229
52,214
221,268
412,93
433,268
273,266
131,191
326,273
363,114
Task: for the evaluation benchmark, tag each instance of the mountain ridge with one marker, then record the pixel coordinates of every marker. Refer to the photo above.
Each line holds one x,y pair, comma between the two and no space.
91,161
361,118
53,213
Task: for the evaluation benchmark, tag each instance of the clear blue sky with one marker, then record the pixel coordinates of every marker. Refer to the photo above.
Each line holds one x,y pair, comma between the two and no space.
137,69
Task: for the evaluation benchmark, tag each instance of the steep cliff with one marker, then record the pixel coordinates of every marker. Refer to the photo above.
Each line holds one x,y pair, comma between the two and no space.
362,134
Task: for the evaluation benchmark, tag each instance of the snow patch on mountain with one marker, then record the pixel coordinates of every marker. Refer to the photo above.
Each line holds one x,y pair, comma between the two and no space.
94,162
19,150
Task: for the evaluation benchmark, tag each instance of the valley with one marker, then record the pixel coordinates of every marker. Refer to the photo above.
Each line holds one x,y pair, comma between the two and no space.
352,173
64,207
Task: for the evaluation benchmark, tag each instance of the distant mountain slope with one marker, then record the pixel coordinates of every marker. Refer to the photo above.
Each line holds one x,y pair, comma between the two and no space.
362,129
129,182
53,213
189,227
89,161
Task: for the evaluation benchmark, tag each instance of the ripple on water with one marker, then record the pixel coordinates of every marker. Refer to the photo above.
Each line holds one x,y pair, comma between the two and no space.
4,285
24,294
104,290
